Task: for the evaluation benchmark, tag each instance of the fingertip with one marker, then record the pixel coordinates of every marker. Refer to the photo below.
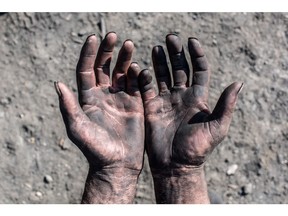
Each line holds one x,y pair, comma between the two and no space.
107,45
111,36
157,50
171,35
56,86
63,89
194,41
134,65
158,55
59,84
174,44
128,44
133,70
91,38
235,87
240,88
195,47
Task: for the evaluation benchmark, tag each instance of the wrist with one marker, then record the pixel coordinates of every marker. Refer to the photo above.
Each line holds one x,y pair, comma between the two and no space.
110,185
181,185
177,171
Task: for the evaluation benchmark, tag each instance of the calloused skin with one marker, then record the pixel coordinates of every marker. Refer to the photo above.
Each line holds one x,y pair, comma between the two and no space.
181,130
108,122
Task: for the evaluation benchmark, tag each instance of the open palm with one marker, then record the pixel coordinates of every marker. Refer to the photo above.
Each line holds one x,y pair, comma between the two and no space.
181,131
107,124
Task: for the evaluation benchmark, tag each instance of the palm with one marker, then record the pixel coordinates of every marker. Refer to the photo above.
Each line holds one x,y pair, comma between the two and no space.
111,139
107,125
180,126
180,129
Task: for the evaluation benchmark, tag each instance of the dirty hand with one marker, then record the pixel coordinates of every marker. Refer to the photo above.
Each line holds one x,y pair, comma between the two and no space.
181,131
107,124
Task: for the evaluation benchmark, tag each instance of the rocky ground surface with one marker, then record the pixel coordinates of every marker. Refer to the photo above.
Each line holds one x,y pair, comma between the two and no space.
40,165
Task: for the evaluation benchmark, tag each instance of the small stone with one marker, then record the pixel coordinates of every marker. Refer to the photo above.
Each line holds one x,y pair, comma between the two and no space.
247,189
41,118
232,169
48,179
31,140
21,115
5,101
214,42
38,194
281,159
64,144
74,34
233,186
27,185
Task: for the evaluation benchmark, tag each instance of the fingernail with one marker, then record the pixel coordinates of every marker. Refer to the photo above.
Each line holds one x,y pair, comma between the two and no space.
91,35
174,34
135,63
193,38
240,89
127,41
110,33
194,41
57,89
157,48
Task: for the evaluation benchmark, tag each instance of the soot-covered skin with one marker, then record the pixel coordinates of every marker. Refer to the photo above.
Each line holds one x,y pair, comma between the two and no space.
107,124
181,130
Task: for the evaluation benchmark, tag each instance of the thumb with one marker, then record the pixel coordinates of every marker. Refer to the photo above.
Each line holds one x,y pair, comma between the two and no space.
224,108
69,106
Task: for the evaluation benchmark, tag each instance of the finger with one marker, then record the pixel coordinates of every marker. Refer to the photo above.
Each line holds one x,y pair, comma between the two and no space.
224,108
146,85
132,79
122,65
201,71
180,68
103,59
85,67
70,109
161,69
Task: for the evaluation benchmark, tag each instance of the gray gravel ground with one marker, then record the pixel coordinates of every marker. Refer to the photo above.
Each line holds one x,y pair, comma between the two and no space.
40,165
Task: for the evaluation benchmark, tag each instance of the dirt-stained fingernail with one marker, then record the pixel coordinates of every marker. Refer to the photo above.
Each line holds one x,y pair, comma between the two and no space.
134,64
172,34
57,89
240,89
90,36
194,41
110,33
193,38
128,40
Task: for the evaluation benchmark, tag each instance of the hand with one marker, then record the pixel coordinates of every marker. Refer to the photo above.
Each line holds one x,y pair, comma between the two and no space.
181,131
107,124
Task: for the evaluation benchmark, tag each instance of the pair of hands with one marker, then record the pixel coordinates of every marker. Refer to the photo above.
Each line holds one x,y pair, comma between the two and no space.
111,122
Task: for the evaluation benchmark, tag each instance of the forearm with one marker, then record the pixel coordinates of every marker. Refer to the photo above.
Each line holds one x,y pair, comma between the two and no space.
181,188
112,186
